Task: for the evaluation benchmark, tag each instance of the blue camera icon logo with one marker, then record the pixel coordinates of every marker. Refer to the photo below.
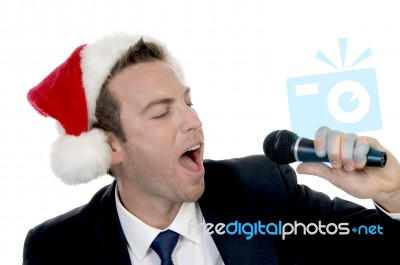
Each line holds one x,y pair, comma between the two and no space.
347,101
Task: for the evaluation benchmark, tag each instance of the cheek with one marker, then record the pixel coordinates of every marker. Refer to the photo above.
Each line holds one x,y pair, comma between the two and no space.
152,146
151,166
154,138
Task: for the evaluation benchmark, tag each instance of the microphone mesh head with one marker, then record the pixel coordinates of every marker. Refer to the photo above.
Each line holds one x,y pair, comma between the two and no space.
278,146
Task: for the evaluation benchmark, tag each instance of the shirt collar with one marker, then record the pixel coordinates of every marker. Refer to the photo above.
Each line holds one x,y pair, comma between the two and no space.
139,235
188,222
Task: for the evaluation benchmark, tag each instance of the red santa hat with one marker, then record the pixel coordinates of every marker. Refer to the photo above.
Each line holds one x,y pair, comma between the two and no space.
69,95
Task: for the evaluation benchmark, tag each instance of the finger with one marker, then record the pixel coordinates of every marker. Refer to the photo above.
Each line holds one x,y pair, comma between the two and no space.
333,143
320,141
360,152
347,143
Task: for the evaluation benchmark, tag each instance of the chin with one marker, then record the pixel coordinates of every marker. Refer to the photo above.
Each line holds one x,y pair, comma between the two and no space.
192,195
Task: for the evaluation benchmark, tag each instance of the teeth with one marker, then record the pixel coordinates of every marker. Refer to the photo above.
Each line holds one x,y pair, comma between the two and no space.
194,147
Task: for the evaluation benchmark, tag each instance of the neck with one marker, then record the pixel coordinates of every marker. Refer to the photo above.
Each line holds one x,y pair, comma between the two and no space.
155,211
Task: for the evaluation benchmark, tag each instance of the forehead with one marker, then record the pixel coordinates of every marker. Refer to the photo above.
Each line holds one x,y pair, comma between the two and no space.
145,81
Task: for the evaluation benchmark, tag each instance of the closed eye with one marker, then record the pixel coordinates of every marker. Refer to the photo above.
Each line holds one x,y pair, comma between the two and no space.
163,115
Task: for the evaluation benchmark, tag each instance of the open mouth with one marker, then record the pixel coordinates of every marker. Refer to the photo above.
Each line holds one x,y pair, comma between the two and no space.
191,159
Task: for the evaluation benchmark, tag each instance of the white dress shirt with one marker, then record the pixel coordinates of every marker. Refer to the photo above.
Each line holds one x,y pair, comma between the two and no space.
195,246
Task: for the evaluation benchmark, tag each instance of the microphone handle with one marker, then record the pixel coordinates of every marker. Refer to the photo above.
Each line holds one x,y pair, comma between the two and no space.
304,151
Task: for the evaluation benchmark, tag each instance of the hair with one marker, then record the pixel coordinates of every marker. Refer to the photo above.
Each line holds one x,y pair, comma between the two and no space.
107,106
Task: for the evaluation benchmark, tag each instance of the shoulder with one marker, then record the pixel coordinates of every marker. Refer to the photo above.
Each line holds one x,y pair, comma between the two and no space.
75,215
70,226
253,177
90,234
252,168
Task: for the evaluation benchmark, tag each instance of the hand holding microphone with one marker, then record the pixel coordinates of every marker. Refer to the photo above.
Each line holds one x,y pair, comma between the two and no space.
284,147
356,167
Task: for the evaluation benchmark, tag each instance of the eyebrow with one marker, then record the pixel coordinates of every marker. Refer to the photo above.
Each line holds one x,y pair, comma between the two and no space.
162,101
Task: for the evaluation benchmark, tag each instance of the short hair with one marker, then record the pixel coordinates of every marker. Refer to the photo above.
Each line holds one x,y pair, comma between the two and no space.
107,106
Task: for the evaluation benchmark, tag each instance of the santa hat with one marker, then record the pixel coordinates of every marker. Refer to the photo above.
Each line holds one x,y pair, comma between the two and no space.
69,95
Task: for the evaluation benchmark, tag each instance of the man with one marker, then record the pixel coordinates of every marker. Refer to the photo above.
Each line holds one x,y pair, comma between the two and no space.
124,108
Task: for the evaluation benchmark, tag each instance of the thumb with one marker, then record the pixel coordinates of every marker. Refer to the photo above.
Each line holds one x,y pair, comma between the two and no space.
314,168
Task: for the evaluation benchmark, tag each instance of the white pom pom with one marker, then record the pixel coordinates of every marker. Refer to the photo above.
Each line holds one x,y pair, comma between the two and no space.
80,159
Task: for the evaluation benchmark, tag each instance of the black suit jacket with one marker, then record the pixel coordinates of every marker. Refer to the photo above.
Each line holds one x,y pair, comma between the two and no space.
244,190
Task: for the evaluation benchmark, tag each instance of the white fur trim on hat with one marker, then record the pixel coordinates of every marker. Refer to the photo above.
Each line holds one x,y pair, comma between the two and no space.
80,159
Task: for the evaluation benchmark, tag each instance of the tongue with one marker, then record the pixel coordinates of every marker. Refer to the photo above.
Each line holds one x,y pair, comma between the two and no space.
188,163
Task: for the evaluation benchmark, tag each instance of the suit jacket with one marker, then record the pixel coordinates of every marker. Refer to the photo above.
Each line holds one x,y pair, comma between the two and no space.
244,190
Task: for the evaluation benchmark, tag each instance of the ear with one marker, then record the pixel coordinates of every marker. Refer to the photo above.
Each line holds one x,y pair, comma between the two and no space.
117,151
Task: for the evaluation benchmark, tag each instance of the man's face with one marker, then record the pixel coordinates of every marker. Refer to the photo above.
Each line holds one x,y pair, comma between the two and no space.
163,154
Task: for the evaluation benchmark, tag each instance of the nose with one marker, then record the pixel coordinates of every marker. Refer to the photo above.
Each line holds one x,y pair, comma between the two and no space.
190,119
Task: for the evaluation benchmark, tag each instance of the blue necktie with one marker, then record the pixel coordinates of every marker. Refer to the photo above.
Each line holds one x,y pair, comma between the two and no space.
164,245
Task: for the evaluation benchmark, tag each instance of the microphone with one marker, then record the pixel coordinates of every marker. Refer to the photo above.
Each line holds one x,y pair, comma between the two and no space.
284,147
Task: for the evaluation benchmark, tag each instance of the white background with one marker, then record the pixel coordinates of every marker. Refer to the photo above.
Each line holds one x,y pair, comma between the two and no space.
237,56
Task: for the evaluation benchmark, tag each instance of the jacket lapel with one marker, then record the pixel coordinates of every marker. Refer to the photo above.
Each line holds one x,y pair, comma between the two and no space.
109,236
236,249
